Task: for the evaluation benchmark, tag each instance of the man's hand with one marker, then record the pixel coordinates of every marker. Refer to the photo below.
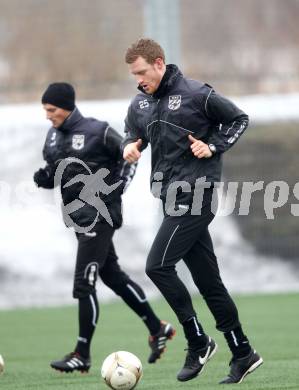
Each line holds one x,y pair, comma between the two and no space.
131,151
199,148
42,178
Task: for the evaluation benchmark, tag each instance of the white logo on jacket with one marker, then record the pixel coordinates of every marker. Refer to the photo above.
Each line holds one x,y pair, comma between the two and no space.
78,141
174,102
53,139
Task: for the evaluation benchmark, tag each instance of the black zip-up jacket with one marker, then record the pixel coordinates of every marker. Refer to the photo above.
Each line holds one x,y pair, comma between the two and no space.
97,145
180,107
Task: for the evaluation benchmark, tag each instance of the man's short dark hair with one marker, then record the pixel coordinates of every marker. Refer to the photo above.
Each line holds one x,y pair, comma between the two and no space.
145,48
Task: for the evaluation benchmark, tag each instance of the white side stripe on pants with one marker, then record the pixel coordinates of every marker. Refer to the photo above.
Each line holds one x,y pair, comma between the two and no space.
94,316
163,258
196,327
234,338
141,300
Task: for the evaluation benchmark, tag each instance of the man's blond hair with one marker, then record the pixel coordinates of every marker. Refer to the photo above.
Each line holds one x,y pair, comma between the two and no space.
146,48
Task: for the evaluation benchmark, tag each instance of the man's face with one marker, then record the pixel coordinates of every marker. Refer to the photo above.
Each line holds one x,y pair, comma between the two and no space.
148,76
55,114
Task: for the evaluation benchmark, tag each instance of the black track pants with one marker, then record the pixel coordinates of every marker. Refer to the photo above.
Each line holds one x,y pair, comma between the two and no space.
96,256
187,237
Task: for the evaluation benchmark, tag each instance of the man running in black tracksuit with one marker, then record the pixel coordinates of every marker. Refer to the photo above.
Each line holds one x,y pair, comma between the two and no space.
189,126
81,153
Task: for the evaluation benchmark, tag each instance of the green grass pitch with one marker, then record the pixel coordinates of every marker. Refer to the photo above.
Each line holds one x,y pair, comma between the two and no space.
30,339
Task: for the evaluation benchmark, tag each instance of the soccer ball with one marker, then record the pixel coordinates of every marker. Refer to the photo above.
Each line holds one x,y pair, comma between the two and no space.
1,364
121,370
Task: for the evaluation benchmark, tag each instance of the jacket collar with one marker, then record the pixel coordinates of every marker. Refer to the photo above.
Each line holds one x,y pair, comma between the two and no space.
169,78
74,117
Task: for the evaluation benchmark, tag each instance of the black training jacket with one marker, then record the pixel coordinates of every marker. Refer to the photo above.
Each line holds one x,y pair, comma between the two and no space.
97,146
178,108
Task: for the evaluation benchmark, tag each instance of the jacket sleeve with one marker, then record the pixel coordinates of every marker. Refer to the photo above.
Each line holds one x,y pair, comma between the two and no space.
124,171
132,131
228,121
48,175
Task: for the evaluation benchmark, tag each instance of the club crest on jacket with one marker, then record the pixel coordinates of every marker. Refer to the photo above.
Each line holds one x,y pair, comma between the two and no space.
174,102
78,141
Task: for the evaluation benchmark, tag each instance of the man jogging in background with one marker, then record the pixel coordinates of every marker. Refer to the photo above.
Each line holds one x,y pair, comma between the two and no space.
189,127
84,153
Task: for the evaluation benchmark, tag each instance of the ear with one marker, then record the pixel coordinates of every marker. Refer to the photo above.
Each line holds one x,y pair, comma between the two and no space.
160,63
